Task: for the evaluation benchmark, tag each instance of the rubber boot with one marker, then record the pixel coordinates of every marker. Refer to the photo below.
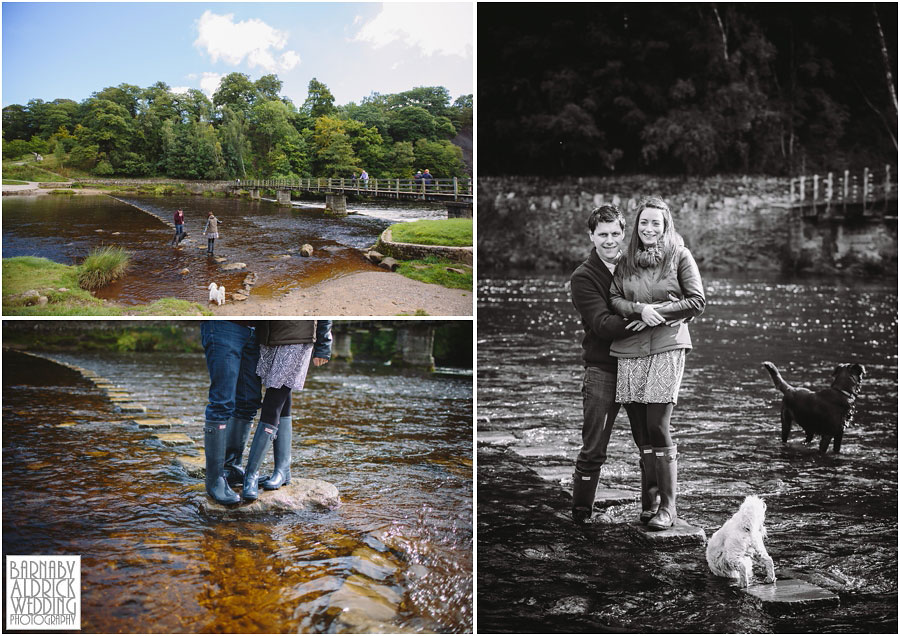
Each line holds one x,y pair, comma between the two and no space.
264,432
584,487
281,448
649,486
214,449
667,478
235,442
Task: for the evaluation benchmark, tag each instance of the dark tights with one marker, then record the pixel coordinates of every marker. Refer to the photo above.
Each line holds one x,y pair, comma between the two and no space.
650,423
276,403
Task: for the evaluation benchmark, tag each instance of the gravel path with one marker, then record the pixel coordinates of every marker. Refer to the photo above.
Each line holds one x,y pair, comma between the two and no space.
360,294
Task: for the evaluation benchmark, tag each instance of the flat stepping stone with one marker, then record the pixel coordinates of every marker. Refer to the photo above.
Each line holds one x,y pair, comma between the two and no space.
792,593
496,438
132,408
376,602
606,497
66,424
156,422
220,259
681,533
174,439
194,466
544,451
297,496
233,266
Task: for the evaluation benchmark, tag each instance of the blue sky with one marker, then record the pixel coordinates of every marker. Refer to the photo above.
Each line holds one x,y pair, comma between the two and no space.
70,50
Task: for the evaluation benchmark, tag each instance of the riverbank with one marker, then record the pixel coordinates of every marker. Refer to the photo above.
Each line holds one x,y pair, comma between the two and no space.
359,294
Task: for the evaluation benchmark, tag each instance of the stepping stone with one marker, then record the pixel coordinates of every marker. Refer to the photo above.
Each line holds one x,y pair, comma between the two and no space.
297,496
792,593
174,439
66,424
606,497
375,602
680,534
496,438
233,266
220,259
132,408
119,398
192,465
158,422
375,565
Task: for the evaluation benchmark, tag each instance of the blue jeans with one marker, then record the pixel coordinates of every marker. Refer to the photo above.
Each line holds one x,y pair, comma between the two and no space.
598,392
231,356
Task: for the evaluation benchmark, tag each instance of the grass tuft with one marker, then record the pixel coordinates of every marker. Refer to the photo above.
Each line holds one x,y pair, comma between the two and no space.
102,266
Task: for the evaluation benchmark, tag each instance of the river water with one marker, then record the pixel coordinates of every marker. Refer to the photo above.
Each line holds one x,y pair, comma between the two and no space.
397,445
264,236
831,520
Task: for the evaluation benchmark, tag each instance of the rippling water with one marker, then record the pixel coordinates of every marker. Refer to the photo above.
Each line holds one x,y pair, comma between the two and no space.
398,447
832,518
264,236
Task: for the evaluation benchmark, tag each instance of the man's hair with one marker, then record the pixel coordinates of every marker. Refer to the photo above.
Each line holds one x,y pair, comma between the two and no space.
606,214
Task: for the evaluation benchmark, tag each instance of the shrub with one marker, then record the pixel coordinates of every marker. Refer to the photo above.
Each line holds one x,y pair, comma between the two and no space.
102,266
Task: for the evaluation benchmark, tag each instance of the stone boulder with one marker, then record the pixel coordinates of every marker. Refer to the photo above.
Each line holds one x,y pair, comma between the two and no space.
374,257
306,250
298,496
389,264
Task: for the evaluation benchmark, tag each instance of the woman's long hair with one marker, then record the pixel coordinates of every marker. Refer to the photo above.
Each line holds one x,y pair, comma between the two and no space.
668,243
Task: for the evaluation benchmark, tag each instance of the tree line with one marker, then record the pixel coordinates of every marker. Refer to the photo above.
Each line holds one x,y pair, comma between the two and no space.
247,130
686,88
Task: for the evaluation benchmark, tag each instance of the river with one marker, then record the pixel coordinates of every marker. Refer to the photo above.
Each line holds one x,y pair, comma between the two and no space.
398,446
264,236
831,520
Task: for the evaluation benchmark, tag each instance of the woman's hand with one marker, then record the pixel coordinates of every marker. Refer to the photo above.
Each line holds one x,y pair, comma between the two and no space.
636,325
320,361
650,316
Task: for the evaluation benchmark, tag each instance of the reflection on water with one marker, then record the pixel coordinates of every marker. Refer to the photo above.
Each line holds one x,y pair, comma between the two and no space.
397,446
264,236
833,518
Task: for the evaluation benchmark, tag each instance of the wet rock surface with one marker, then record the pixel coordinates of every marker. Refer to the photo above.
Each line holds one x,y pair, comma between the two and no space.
792,593
298,496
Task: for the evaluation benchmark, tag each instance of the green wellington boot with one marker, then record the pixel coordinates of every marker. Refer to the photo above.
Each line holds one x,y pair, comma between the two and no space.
281,448
584,487
235,442
667,477
649,486
214,449
264,433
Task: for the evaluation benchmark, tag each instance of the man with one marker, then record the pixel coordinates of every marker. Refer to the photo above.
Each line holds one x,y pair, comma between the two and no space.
235,395
364,177
590,294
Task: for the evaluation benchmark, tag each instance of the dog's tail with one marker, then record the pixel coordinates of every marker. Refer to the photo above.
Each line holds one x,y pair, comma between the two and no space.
780,384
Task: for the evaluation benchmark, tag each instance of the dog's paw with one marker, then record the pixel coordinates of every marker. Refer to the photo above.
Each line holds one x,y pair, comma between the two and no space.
770,579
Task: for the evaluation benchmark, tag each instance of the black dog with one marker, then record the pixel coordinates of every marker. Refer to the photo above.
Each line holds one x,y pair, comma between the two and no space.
823,413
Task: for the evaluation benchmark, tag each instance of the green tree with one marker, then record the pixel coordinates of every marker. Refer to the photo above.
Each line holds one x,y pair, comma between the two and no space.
267,88
235,91
333,152
400,160
235,142
16,123
442,158
319,101
411,123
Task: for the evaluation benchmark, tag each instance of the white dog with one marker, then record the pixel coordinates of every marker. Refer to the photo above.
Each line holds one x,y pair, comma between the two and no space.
737,544
216,294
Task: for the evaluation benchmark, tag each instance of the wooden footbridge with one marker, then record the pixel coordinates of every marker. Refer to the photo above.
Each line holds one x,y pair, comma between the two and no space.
846,197
438,190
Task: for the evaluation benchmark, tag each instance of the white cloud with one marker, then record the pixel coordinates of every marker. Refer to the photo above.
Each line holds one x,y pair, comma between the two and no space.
443,28
180,89
210,82
233,42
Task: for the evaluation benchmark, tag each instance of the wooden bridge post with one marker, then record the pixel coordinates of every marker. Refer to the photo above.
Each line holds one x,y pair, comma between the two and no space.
865,198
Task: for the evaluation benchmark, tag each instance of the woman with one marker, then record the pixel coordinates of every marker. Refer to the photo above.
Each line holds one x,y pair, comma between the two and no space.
655,269
285,350
212,224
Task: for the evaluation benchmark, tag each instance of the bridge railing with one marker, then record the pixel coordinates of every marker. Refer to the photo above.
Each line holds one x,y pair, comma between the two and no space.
865,191
453,187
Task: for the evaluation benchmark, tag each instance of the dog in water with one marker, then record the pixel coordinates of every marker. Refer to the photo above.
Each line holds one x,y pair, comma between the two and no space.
216,294
737,545
824,413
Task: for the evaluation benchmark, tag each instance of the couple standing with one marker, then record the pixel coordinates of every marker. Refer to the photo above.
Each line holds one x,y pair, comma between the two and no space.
634,307
242,356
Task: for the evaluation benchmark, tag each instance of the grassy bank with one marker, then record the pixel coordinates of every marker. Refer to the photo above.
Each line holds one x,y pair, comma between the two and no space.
29,172
115,336
448,232
28,278
439,272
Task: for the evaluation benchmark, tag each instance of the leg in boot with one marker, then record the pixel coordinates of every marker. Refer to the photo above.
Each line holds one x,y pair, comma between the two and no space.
264,432
667,476
584,487
281,447
649,486
214,449
236,441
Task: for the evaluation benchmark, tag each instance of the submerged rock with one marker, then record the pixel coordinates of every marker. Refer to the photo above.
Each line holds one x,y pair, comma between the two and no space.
194,466
377,603
681,533
792,593
298,496
233,266
306,250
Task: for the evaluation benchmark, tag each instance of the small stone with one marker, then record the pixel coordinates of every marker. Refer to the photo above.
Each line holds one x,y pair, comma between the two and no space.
42,300
63,289
185,271
193,466
132,408
237,296
279,257
220,259
374,256
456,270
116,233
233,266
174,439
156,422
306,250
98,230
66,424
389,264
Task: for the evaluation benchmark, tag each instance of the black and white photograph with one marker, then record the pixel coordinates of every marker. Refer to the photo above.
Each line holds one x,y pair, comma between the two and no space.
687,301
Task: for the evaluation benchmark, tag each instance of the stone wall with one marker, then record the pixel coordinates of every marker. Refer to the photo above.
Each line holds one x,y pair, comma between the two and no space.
730,223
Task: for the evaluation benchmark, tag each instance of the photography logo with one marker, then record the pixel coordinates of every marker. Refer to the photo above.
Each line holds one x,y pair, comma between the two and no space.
43,592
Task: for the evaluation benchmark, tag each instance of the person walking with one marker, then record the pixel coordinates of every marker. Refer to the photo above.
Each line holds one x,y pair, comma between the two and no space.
212,225
364,177
178,219
655,281
286,349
